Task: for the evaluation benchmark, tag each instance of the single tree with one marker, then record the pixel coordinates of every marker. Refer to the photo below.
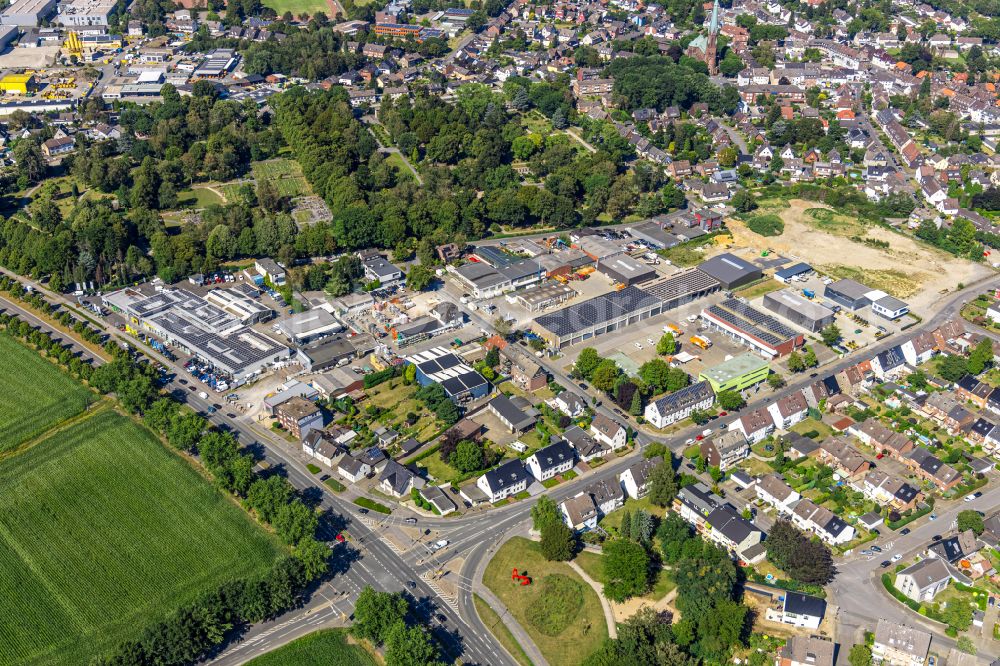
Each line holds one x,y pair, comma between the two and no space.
970,520
626,569
557,542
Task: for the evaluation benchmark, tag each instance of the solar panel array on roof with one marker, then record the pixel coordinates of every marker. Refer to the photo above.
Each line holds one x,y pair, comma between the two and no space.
682,285
752,321
597,311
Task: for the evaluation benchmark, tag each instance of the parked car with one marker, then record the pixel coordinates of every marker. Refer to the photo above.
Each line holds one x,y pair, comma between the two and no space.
936,537
876,549
410,521
904,531
897,557
885,563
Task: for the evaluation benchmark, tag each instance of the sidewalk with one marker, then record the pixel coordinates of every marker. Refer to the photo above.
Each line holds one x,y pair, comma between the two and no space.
609,616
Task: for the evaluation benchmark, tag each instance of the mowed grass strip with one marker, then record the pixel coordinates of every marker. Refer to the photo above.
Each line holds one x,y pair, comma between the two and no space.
103,532
322,648
39,394
584,627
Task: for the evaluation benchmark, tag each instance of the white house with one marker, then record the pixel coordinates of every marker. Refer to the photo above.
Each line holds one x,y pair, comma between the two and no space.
829,527
789,410
777,493
900,644
557,458
802,610
635,478
508,479
920,348
353,469
608,431
755,425
570,404
678,405
579,512
924,580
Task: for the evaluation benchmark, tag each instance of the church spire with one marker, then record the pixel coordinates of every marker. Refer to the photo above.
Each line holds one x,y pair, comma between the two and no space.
713,27
711,46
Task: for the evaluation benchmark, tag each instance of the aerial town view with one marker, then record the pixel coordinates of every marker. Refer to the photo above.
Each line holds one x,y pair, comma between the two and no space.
500,332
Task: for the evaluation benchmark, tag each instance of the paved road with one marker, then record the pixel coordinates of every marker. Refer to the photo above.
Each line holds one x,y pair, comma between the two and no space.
368,560
859,592
474,536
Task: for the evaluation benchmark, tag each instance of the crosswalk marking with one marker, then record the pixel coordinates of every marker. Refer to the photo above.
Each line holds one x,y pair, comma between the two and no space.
451,601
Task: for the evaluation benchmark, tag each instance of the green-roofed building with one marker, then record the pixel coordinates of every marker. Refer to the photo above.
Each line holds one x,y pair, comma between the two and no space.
737,373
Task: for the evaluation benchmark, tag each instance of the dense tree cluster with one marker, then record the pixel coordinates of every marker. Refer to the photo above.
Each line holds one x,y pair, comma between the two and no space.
804,559
386,619
659,82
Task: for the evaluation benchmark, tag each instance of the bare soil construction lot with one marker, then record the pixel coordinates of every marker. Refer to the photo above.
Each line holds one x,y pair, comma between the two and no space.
842,247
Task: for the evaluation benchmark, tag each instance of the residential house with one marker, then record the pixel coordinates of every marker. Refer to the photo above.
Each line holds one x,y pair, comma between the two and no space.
635,478
888,490
971,389
547,462
919,349
587,448
570,404
808,516
755,424
844,458
955,548
695,503
353,469
678,405
899,644
579,512
889,363
771,489
930,468
731,530
608,495
924,580
789,410
725,449
802,610
608,431
525,373
319,445
806,651
881,438
397,480
298,416
508,479
438,499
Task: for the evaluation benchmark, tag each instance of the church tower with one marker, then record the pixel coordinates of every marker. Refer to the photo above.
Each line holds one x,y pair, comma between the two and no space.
713,36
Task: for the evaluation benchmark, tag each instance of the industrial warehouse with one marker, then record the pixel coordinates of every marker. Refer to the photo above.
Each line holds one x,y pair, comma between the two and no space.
597,316
854,296
749,326
799,310
181,318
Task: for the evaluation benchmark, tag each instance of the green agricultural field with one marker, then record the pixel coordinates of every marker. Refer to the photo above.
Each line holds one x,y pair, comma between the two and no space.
297,7
322,648
104,531
44,395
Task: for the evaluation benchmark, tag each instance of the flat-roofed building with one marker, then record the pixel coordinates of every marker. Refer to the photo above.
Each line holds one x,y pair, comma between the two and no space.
596,316
736,374
27,12
309,326
544,296
757,330
799,310
239,305
86,12
625,270
730,270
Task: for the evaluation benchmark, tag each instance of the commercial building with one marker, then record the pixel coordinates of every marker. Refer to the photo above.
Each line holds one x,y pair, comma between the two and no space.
681,288
234,302
625,270
730,270
889,307
27,12
270,269
86,12
460,382
18,84
331,352
219,63
785,275
201,329
596,316
853,295
736,374
485,281
544,296
309,326
749,326
799,310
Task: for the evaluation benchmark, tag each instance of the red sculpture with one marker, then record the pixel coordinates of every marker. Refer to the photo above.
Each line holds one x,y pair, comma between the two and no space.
524,580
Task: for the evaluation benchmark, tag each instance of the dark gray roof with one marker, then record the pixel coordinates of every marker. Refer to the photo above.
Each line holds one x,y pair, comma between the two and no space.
803,604
728,268
511,413
596,311
506,475
554,455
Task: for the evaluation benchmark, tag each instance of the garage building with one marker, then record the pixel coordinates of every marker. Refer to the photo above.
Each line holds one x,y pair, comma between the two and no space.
731,271
625,270
799,310
682,288
597,316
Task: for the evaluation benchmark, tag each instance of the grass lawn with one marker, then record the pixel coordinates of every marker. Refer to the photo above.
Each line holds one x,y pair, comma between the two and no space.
296,7
105,531
396,160
44,396
758,290
372,505
197,197
690,253
500,630
895,282
321,648
810,424
614,519
555,588
438,468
